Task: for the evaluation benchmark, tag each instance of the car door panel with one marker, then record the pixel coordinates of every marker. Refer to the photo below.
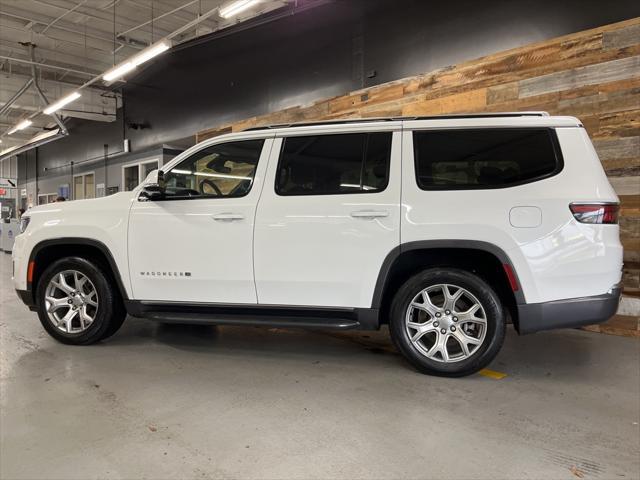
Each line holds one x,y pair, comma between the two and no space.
197,250
325,250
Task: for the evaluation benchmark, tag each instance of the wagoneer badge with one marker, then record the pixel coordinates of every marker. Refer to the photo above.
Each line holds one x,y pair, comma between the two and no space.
165,274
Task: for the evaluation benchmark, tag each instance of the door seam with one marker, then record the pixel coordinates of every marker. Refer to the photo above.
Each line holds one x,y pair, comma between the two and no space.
255,220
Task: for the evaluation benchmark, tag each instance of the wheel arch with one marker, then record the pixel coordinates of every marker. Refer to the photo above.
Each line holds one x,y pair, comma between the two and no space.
485,259
48,251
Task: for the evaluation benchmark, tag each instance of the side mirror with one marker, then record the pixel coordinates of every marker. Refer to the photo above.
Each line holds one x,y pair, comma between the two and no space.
154,187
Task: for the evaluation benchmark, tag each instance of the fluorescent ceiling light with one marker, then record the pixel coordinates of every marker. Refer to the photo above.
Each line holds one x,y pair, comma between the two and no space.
118,71
8,150
355,185
21,126
44,135
61,103
150,52
214,175
236,7
145,55
36,141
220,175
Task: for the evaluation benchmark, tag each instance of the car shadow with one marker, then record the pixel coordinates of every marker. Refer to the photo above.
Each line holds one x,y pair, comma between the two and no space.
563,353
254,340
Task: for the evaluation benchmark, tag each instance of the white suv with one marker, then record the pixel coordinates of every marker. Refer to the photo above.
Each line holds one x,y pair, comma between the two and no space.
445,228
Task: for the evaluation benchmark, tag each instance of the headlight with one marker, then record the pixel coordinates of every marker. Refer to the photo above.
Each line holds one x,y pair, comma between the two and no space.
24,223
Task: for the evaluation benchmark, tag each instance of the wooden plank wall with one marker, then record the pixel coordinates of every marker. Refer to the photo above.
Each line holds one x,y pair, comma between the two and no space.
594,75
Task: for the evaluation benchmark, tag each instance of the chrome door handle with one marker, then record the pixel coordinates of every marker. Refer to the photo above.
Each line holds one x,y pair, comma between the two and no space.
227,217
369,214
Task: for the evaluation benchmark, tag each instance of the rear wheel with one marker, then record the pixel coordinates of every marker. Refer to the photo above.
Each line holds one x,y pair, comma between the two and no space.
76,302
447,322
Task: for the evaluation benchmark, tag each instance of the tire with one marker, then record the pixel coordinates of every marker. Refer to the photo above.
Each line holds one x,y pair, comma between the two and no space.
66,304
455,344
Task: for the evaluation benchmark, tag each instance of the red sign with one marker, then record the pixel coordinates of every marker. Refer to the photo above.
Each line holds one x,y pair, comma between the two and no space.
3,191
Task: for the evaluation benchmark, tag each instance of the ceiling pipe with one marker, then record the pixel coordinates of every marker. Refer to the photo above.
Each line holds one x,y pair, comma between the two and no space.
46,66
18,94
62,16
193,23
121,35
56,118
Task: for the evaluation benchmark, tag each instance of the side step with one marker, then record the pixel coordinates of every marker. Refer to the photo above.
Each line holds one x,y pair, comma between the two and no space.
285,321
285,316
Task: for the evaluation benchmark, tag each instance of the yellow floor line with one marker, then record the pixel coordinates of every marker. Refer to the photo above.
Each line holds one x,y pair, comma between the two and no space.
492,374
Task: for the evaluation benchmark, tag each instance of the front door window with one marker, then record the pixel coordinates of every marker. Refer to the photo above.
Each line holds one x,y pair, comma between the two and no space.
224,170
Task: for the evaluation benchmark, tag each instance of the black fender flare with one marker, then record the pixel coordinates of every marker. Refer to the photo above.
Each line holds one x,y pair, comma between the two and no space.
79,241
393,255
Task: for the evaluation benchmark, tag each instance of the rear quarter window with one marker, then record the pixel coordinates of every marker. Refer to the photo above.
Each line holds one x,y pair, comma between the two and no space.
455,159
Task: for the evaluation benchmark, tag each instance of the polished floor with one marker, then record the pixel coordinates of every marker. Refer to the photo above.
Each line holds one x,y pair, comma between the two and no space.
232,402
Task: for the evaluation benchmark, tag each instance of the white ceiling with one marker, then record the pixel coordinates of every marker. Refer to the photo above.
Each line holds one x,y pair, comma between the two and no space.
77,40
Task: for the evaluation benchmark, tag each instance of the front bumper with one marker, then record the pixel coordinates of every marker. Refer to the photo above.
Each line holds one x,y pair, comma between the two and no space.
568,313
27,298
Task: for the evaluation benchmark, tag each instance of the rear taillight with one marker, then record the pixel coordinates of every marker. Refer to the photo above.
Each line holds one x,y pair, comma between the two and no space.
595,213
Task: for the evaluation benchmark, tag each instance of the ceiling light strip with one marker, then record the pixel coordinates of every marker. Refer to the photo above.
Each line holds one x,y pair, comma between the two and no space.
20,126
236,7
54,107
145,55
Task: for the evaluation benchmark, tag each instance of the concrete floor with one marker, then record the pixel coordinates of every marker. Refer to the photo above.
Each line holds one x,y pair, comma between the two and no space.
229,402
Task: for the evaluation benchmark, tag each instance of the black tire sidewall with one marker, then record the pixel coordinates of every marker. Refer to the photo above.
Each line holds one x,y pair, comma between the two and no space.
106,301
496,322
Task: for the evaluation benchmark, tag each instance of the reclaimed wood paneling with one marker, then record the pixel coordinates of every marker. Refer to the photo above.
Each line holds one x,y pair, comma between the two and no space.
594,75
621,38
617,148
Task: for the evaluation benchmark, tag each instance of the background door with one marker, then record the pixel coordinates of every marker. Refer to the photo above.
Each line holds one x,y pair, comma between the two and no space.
196,246
84,186
328,216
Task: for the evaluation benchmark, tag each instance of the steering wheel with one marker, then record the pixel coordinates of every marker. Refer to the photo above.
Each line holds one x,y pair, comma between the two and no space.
212,185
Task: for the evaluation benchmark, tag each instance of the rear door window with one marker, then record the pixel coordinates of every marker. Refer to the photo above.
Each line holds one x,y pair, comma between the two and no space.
334,164
484,158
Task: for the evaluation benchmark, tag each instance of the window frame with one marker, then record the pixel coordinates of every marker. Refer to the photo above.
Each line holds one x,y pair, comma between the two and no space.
555,145
47,196
357,192
138,164
212,145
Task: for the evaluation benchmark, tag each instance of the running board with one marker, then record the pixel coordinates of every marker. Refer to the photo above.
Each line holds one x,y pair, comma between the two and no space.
286,321
266,315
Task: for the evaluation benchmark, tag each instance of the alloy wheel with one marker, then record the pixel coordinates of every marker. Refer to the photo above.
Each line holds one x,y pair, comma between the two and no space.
71,301
446,323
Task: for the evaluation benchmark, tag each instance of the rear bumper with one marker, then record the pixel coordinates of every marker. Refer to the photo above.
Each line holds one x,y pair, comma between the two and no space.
568,313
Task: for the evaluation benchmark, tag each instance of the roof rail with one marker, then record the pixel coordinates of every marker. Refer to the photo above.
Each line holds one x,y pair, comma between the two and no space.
391,119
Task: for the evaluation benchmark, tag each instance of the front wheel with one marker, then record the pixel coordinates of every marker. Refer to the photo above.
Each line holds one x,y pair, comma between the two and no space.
447,322
76,302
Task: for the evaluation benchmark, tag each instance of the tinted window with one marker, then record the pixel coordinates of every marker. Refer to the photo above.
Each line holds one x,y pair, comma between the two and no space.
483,158
334,164
224,170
